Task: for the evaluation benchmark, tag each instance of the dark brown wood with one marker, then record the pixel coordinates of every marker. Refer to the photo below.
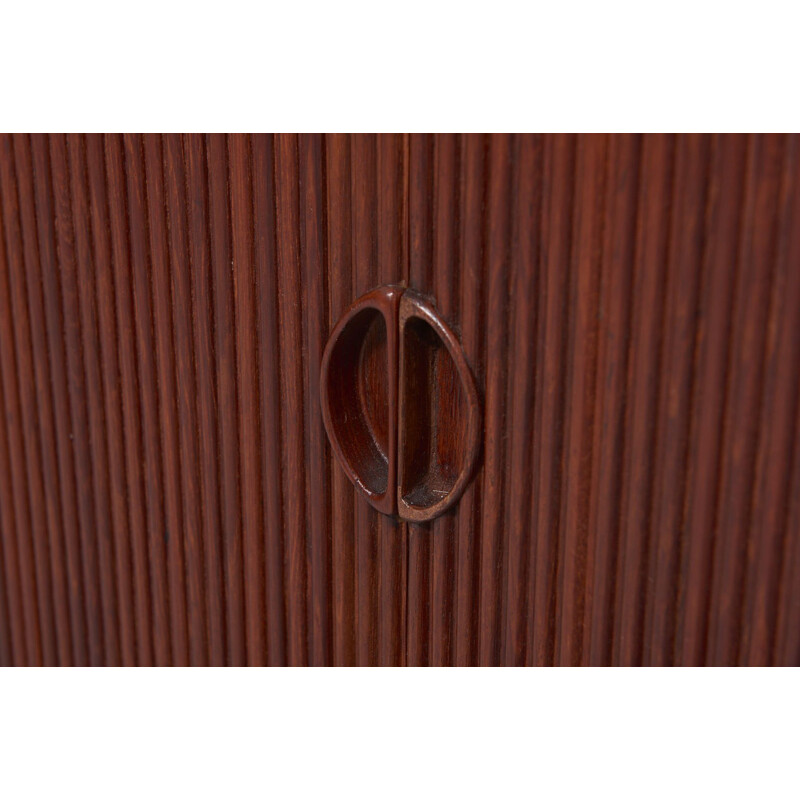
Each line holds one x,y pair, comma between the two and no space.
439,418
359,395
400,404
166,554
342,497
629,307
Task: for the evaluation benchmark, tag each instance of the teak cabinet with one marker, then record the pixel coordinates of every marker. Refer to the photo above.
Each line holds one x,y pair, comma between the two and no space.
629,307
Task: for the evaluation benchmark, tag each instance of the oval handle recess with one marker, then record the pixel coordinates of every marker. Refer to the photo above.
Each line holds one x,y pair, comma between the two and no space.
400,404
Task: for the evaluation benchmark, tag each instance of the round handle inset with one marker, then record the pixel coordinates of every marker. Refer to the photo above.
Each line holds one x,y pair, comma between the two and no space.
400,404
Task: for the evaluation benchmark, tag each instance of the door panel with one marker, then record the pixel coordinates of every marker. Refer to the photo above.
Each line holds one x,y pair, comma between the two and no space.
629,306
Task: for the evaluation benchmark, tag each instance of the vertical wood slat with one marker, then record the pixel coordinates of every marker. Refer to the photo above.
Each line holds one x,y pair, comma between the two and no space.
94,424
591,174
148,399
740,446
186,542
110,371
247,371
614,338
270,390
315,331
44,301
207,601
686,245
496,265
775,460
471,245
787,627
12,637
84,578
644,375
523,294
557,221
627,304
129,356
6,646
339,214
18,562
292,394
30,511
725,204
166,557
225,350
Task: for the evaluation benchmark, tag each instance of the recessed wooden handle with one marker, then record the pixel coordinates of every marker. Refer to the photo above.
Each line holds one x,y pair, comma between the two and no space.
358,387
439,414
400,404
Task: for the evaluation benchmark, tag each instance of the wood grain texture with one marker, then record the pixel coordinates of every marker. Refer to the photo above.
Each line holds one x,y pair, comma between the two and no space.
630,309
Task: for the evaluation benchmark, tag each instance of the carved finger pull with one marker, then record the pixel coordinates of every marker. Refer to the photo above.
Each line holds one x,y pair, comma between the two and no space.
400,404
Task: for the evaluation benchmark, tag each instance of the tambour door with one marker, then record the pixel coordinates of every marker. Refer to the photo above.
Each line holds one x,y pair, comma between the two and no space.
626,307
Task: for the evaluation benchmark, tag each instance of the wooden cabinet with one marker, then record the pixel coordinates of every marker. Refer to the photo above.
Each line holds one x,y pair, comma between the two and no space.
628,305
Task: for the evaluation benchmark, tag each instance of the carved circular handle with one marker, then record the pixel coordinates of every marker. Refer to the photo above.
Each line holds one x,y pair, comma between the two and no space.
400,405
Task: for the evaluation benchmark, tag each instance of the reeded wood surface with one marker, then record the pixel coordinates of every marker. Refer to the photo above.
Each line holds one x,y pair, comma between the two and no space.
630,307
